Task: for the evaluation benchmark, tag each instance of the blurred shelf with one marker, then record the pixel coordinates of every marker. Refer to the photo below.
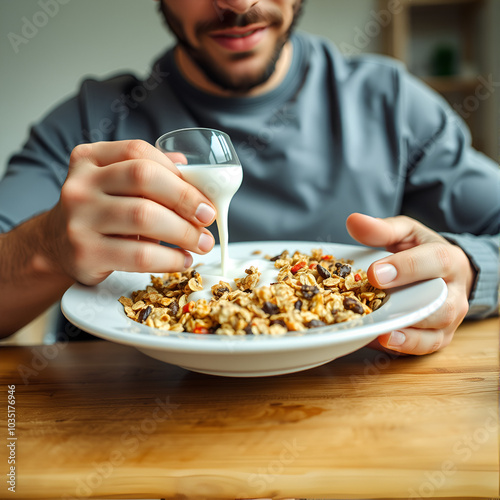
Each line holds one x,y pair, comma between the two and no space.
449,84
417,3
434,37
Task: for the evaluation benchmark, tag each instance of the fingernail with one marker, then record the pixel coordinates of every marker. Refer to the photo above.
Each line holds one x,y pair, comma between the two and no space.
206,242
385,273
204,213
188,261
397,339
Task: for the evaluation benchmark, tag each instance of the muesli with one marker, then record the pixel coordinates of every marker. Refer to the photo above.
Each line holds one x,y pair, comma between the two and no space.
311,291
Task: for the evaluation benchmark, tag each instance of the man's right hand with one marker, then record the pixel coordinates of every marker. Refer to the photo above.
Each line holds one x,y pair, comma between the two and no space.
119,201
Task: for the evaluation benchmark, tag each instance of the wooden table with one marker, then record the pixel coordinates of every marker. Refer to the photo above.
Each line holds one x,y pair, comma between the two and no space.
96,419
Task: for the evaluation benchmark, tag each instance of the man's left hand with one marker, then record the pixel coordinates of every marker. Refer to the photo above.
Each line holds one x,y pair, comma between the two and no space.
418,254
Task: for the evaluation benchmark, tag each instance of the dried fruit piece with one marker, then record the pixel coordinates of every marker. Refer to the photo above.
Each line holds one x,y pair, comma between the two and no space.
315,323
309,291
297,267
343,270
270,308
353,305
323,272
143,315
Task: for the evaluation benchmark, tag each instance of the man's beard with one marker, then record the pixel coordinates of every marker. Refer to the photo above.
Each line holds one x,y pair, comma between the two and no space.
228,19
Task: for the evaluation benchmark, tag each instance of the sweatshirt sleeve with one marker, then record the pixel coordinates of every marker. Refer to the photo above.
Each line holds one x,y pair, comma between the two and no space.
453,188
35,174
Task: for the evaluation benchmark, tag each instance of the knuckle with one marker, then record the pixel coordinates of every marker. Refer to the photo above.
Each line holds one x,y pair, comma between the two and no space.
141,173
411,346
444,257
190,236
142,215
438,343
143,258
183,198
80,152
412,264
73,193
448,313
423,345
137,149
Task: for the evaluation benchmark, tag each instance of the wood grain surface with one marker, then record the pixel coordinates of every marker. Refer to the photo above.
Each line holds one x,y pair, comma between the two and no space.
100,420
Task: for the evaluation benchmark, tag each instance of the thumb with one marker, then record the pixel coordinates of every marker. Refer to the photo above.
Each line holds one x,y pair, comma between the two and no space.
369,230
177,158
395,234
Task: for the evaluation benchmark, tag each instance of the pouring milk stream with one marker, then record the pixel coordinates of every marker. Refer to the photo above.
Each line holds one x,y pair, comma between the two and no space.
218,183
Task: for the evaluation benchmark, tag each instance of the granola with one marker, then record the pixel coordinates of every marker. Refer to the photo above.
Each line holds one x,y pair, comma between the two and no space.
311,291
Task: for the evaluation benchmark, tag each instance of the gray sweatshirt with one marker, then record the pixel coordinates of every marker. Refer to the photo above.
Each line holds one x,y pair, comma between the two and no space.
339,135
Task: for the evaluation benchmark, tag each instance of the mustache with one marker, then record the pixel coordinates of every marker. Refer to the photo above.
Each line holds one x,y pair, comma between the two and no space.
228,19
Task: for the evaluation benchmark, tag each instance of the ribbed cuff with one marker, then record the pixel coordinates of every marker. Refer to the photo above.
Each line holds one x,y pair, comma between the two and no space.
483,252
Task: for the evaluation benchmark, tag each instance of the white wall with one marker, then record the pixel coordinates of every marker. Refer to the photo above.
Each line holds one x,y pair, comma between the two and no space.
98,37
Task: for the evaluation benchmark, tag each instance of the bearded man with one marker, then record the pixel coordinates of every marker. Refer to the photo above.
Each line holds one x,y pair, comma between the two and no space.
332,148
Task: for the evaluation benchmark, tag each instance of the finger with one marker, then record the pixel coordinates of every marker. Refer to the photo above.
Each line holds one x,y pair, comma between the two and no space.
106,153
177,158
416,341
150,180
449,315
375,344
392,233
119,254
419,263
138,216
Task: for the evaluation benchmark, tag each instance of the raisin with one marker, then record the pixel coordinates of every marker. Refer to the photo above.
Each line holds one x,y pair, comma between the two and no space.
298,305
324,273
343,270
315,323
309,291
221,291
195,274
248,330
174,308
353,305
270,308
277,322
143,315
214,328
282,255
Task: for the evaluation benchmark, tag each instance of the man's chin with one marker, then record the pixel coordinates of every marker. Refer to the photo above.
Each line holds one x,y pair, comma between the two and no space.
232,80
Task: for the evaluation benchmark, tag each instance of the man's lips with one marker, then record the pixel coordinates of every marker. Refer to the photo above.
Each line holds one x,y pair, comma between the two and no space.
239,39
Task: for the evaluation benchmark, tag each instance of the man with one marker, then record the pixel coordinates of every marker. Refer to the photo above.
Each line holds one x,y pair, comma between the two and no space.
321,138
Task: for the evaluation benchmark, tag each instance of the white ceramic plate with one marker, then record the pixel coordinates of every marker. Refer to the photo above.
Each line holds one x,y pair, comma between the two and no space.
97,310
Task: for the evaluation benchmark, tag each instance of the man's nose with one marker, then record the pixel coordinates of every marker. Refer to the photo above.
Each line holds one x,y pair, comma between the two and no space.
237,6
